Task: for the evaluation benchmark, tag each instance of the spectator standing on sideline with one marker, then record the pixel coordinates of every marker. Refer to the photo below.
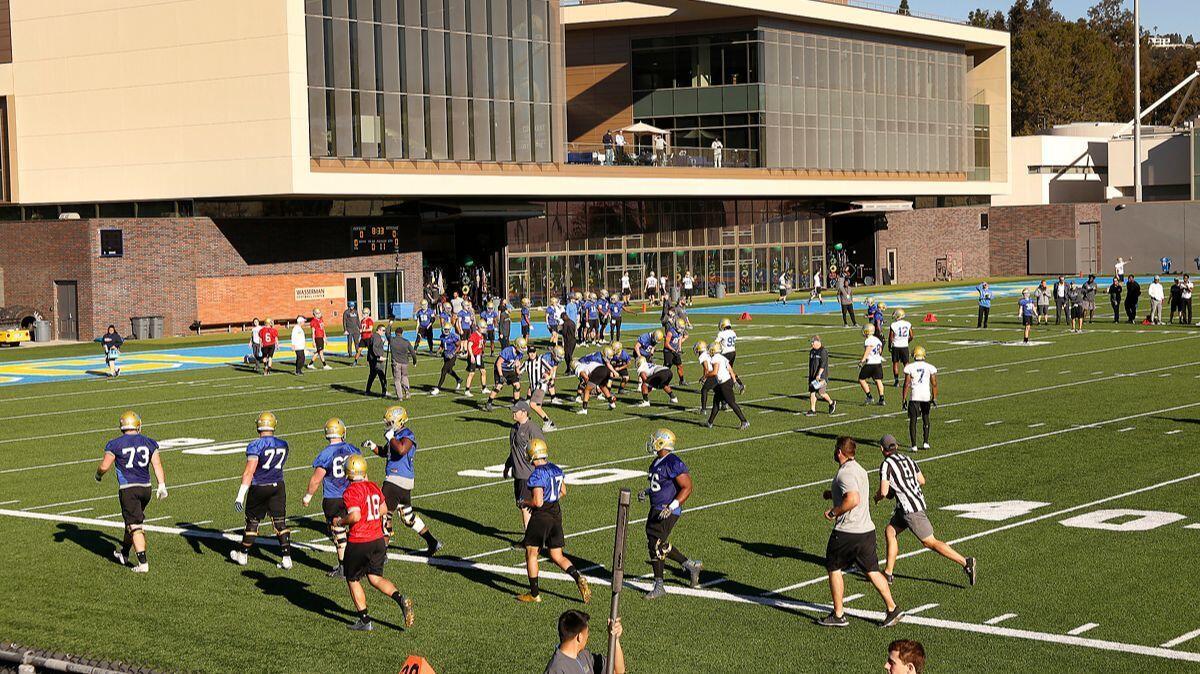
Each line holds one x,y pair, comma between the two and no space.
1176,300
318,330
985,305
1133,292
1075,299
817,286
573,656
717,148
1114,298
846,300
377,359
905,657
256,343
852,541
1089,297
504,323
350,327
608,147
1042,295
111,341
1156,299
1060,299
689,287
299,344
1119,268
404,353
1185,309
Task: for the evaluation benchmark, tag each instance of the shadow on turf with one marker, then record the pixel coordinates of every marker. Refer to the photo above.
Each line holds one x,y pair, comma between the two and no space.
775,551
450,519
342,388
96,542
862,442
1179,420
297,594
213,540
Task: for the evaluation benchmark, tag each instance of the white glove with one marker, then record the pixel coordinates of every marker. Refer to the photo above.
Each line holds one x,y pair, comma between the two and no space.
306,500
240,502
369,446
162,491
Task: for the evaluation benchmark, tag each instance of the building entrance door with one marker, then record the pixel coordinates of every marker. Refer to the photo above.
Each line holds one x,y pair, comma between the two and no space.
66,309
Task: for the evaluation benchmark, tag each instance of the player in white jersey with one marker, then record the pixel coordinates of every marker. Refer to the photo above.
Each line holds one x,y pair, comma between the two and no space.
707,381
899,335
871,365
727,379
920,394
654,377
727,340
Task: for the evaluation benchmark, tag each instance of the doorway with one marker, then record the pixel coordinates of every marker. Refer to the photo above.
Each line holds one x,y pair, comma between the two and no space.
66,309
375,291
890,271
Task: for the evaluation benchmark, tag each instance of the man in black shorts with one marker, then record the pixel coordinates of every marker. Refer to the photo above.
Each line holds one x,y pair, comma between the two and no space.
263,491
547,486
133,455
852,541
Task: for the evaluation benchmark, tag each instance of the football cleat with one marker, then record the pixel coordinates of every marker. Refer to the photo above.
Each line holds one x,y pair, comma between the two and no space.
970,570
657,591
406,609
694,567
434,392
356,468
130,421
141,568
433,549
529,598
335,429
549,426
285,563
675,400
120,558
336,572
395,417
267,422
239,557
582,411
361,625
832,620
644,403
538,449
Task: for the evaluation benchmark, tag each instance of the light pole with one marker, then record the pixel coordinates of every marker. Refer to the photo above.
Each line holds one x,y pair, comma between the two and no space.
1137,102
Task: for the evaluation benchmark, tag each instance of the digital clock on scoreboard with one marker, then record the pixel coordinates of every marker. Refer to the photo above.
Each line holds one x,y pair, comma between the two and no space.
374,239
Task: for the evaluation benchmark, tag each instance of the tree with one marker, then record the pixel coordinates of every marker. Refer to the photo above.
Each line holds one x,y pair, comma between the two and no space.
904,8
1113,19
980,18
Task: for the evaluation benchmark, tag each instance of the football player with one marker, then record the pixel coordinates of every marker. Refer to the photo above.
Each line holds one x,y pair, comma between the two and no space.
133,455
465,319
366,328
727,379
491,321
670,487
616,307
602,305
653,377
919,395
647,342
707,381
525,325
877,320
899,335
509,366
329,473
547,486
474,353
595,371
318,330
871,365
673,348
364,517
620,362
270,340
1026,310
425,317
592,308
543,369
553,320
263,491
727,340
399,447
450,348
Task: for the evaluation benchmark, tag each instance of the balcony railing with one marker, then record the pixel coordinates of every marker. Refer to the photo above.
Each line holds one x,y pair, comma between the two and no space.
646,155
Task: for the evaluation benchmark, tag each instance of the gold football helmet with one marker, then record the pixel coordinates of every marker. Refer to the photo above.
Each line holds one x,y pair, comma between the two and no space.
700,348
898,314
868,330
356,468
617,346
130,421
658,335
267,422
726,323
334,428
609,353
559,353
395,417
537,450
714,348
521,344
659,440
919,353
524,301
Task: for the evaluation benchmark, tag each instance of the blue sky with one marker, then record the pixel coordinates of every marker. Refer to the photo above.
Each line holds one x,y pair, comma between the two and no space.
1171,16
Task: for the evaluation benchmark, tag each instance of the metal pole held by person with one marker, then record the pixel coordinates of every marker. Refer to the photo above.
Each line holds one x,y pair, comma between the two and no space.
618,574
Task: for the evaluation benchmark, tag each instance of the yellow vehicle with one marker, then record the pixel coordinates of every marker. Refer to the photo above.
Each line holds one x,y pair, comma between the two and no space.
13,336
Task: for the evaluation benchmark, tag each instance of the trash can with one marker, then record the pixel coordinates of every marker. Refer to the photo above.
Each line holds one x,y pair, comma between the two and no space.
140,326
720,291
41,331
156,327
402,311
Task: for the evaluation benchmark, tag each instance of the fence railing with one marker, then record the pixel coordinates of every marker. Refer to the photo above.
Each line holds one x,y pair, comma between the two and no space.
647,155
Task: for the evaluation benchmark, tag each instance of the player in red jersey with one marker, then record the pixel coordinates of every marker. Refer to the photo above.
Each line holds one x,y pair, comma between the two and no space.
366,550
475,359
318,327
270,339
366,327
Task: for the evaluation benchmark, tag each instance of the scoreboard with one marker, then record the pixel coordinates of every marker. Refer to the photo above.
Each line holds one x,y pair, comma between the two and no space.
374,239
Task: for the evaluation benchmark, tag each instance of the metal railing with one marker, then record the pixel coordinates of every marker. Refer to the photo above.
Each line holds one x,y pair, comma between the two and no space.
861,4
597,154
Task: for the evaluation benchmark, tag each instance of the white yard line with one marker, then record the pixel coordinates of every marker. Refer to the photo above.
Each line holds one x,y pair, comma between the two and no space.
919,609
1182,638
993,423
776,602
952,421
77,510
1177,430
1037,425
847,600
105,517
1126,429
1083,628
10,502
1000,618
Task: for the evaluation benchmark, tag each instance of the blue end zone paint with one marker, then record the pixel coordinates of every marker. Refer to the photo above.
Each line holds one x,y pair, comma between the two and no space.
1002,292
197,357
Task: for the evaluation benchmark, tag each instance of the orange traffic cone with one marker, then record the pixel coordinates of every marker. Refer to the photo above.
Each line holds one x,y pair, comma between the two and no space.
416,664
930,318
745,316
801,309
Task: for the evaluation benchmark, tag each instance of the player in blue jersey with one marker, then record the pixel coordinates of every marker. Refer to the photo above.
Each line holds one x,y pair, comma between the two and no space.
133,455
329,473
616,307
670,487
262,491
526,326
673,348
491,320
554,320
399,447
547,486
425,318
509,365
450,352
592,308
647,342
1026,311
620,363
602,306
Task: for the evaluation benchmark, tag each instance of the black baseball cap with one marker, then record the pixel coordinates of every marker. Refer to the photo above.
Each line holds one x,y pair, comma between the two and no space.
889,442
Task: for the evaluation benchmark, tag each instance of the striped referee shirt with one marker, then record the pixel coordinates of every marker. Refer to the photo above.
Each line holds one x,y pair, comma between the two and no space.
538,370
901,473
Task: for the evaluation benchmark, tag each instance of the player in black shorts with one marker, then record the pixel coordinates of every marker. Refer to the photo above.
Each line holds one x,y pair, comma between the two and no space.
547,486
263,491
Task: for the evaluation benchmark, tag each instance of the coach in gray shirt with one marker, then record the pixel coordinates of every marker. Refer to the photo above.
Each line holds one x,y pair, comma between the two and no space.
518,464
852,541
403,355
572,655
846,300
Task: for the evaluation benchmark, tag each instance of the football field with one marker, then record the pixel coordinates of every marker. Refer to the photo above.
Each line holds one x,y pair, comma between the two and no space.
1068,467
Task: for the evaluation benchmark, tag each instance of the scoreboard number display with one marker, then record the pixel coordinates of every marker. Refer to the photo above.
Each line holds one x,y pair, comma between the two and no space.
373,239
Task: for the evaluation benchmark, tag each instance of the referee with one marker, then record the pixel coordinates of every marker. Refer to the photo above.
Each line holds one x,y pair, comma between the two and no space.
900,478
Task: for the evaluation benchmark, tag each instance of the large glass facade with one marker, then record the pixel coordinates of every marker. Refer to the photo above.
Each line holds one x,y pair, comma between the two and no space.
589,245
431,79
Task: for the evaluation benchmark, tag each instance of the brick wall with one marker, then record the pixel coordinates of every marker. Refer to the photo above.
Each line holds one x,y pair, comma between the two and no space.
1012,227
35,254
922,236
